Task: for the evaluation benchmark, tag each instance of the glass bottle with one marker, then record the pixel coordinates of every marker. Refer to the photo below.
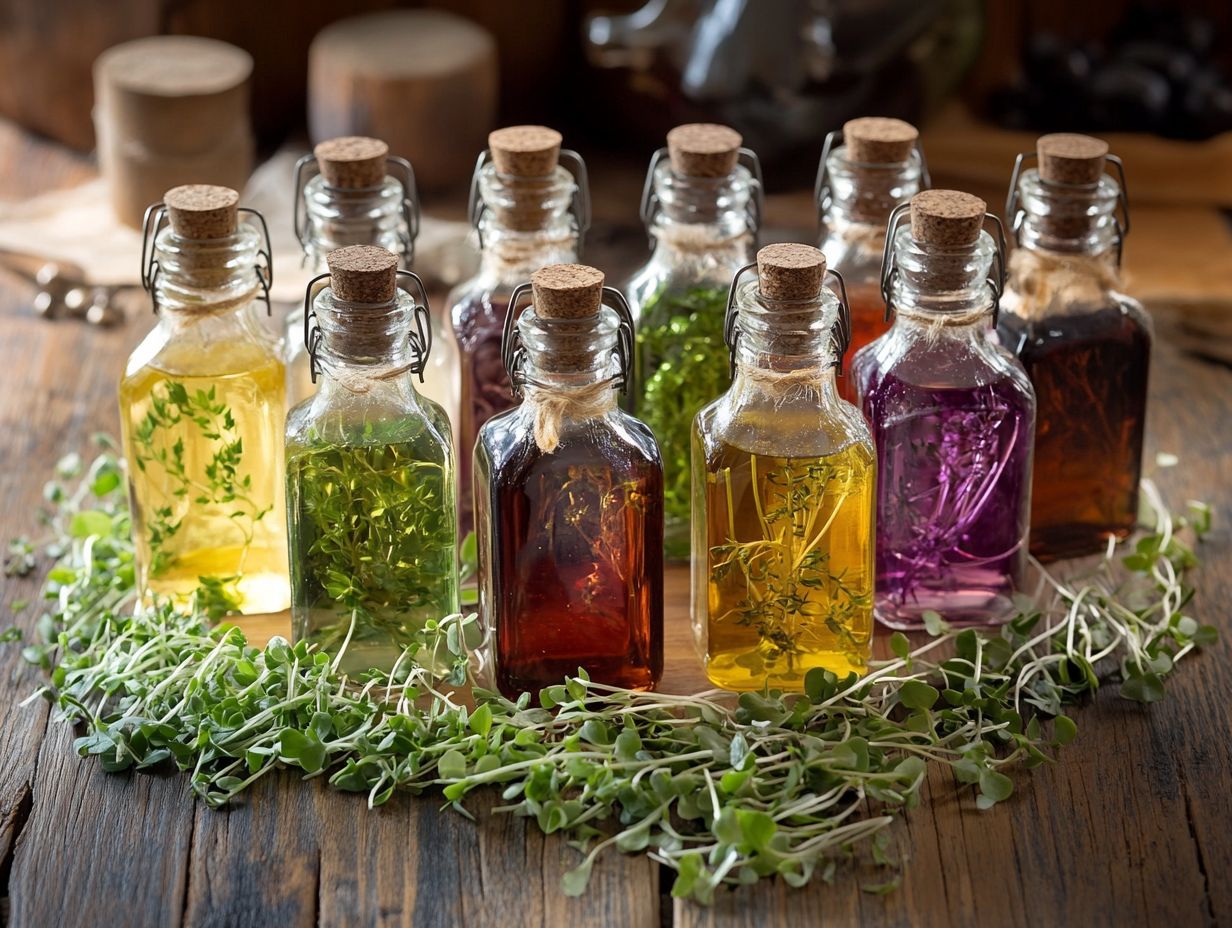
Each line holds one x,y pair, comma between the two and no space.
351,191
953,415
859,183
202,402
783,481
528,212
1085,345
702,207
370,473
569,498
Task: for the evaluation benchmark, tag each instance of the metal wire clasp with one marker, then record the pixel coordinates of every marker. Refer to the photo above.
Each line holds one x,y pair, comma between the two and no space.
513,352
307,167
155,220
420,336
840,334
579,204
745,157
1015,213
889,260
821,186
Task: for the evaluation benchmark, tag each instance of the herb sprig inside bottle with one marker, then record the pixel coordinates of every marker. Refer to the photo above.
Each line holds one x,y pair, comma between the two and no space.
370,471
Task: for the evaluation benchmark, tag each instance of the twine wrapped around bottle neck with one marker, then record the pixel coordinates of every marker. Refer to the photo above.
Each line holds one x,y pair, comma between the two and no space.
1049,283
805,384
551,408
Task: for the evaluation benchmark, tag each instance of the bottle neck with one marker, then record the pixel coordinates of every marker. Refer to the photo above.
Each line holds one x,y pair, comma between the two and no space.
568,355
198,278
702,215
859,198
361,343
1068,219
525,223
337,217
942,288
788,339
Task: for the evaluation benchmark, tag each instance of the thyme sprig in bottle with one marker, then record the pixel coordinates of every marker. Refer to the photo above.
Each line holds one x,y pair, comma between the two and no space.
201,413
702,207
783,490
370,472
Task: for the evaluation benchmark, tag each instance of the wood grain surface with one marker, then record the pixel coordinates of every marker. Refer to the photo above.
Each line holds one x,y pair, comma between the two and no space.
1133,827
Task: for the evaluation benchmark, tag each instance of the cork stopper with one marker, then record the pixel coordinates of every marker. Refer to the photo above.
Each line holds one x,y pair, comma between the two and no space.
567,291
946,218
525,151
363,274
1068,158
790,272
202,211
879,140
703,149
352,162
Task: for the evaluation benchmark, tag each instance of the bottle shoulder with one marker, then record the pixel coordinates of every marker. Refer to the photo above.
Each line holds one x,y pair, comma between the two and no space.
206,347
394,414
615,439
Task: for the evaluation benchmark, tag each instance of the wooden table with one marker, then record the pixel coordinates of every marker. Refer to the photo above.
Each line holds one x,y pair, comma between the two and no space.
1134,826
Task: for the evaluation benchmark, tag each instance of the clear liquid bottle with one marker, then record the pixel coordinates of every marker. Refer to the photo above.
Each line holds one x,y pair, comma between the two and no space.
202,403
1085,345
953,415
370,471
783,489
878,166
528,212
702,206
569,498
351,191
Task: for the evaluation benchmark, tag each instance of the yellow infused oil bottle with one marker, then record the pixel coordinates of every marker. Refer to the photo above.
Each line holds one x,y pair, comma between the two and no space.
784,475
201,412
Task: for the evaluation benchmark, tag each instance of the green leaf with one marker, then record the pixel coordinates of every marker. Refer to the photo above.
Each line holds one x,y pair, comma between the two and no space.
916,694
934,624
900,645
452,765
1144,688
574,882
480,721
757,828
995,786
90,522
1063,729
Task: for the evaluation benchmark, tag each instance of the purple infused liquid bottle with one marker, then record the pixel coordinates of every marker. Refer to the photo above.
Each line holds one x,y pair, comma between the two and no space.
953,418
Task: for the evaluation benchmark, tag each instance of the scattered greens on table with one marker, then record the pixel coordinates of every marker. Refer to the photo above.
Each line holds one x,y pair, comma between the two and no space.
719,787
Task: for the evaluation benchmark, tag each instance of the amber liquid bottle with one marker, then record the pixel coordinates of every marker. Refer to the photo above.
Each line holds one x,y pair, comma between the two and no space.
877,167
569,501
1085,346
528,211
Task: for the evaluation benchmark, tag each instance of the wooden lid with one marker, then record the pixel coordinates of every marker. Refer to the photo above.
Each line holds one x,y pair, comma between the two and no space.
879,140
567,291
703,149
1069,158
173,66
363,274
948,218
790,272
525,151
352,161
202,211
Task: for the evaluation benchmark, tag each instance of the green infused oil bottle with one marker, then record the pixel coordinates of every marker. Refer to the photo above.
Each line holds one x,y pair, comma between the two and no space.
201,412
701,206
784,480
370,470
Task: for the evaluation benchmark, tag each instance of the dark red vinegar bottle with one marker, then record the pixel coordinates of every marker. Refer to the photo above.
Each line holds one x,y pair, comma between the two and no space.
568,495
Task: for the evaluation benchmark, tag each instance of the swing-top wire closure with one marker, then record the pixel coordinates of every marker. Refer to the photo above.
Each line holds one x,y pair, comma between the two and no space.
840,334
889,261
821,186
155,220
579,204
513,352
1015,213
745,157
307,167
419,337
